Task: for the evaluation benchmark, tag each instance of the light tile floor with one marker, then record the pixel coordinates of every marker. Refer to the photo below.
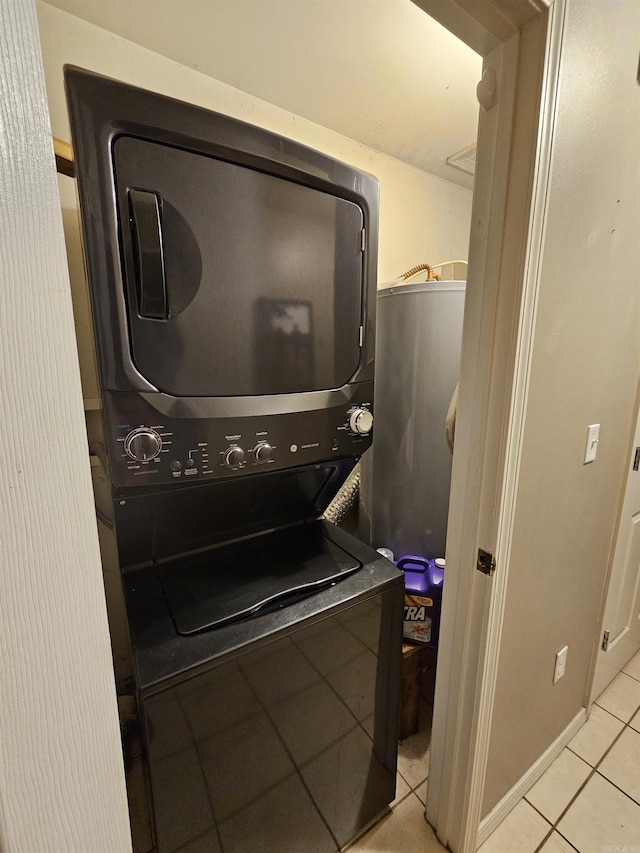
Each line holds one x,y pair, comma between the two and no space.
587,801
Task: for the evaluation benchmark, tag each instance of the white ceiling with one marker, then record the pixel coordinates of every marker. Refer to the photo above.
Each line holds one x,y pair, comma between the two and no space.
378,71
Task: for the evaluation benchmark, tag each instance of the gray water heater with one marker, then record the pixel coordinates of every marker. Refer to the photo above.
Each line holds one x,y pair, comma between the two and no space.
419,335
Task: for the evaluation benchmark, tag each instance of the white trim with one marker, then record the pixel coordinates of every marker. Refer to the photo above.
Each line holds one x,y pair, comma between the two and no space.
483,24
513,797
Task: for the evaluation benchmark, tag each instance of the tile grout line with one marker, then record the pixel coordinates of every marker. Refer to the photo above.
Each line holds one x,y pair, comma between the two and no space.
549,835
616,716
628,673
402,799
628,796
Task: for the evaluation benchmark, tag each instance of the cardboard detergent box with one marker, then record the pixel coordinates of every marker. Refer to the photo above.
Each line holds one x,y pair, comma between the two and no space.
418,612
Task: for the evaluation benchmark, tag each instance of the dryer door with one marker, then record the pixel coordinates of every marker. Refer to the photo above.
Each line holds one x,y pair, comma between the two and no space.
237,282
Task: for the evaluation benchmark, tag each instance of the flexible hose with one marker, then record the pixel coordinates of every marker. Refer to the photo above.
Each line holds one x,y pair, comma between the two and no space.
98,449
431,276
345,498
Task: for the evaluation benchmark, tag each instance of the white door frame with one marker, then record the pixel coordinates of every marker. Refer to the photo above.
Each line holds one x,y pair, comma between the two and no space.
520,42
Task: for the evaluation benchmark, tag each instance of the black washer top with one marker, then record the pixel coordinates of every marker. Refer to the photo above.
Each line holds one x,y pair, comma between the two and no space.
260,574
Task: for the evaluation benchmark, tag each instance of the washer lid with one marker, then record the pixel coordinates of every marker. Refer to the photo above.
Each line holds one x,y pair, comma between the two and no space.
255,576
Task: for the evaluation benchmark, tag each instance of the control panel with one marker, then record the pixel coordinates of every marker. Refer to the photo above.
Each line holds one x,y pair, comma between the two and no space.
148,447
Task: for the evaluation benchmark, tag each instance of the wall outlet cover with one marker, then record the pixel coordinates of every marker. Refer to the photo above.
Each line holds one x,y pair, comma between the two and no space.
561,662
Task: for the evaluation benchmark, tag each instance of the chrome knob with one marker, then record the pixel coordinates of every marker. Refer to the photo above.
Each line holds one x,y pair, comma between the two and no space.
234,456
142,444
361,421
263,452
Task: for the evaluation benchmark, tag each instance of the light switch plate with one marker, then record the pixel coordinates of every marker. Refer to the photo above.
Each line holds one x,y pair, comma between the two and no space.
593,437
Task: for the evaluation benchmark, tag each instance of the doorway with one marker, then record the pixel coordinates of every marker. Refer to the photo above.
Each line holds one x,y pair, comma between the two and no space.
621,619
489,401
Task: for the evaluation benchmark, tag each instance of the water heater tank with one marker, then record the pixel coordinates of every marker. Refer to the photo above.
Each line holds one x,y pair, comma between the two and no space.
418,344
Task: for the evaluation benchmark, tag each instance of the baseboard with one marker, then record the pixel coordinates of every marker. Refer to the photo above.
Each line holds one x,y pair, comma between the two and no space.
513,797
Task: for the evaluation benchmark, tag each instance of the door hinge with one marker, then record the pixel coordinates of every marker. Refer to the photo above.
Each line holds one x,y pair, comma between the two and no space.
636,459
605,641
486,562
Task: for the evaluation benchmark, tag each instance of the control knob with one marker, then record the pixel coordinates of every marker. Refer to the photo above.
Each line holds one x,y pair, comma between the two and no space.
142,444
263,452
361,421
234,456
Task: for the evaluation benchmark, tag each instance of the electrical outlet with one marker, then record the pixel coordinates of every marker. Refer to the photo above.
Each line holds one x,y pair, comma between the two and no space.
561,662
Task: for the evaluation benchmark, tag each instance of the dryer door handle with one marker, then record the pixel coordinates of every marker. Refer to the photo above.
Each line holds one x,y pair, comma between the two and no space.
146,222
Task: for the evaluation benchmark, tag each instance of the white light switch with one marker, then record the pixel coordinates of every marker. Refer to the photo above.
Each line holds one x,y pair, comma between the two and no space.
593,437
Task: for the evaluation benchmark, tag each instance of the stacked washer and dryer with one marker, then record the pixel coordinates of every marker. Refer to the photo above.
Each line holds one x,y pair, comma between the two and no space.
232,281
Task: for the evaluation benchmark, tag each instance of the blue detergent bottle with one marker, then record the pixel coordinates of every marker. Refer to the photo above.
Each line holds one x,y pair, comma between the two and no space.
423,581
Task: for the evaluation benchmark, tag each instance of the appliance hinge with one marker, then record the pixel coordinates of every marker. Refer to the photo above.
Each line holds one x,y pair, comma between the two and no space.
361,339
486,562
363,239
636,459
605,641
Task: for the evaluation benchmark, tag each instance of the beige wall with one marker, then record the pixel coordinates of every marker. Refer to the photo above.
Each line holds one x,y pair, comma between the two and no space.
423,218
383,72
585,369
